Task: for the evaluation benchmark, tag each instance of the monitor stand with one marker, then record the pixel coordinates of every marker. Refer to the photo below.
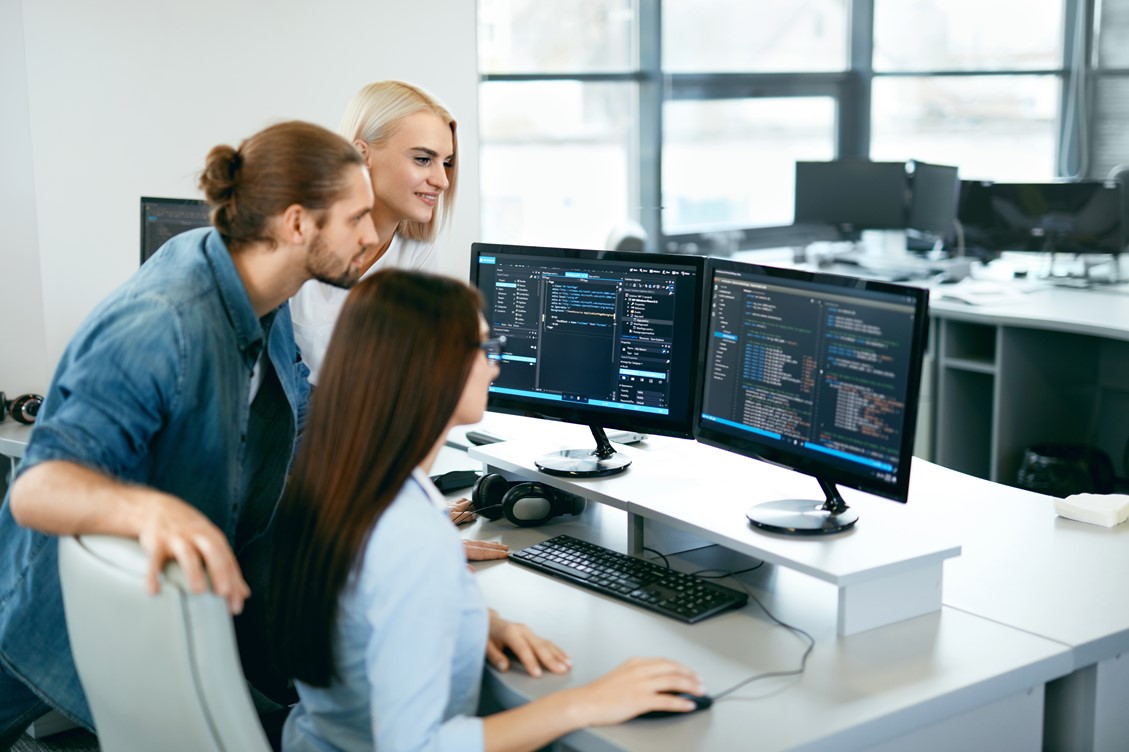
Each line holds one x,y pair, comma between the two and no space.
805,516
585,463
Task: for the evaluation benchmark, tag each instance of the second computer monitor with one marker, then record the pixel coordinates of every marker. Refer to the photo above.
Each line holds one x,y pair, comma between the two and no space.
606,339
852,194
933,199
816,372
1072,217
163,218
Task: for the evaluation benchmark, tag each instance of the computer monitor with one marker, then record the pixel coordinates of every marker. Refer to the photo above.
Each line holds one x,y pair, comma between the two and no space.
819,373
603,338
1076,217
162,218
852,194
934,190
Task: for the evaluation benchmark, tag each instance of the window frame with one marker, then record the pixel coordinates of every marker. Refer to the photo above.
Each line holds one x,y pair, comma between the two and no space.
851,90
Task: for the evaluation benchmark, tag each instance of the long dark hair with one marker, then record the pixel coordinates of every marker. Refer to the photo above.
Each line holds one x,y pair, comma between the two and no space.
394,371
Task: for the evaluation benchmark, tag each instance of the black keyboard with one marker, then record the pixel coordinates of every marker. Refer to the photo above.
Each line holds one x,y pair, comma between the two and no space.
636,581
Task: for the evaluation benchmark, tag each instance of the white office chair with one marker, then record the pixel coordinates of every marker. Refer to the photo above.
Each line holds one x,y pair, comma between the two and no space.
160,672
628,235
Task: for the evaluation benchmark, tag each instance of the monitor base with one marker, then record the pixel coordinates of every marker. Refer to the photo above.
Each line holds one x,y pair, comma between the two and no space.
583,463
800,517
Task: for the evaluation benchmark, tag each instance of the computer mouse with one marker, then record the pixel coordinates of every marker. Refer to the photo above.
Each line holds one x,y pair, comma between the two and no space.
701,702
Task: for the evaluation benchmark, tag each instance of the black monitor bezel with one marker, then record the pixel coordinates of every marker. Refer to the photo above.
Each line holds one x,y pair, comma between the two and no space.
609,418
145,253
846,172
988,229
772,453
917,210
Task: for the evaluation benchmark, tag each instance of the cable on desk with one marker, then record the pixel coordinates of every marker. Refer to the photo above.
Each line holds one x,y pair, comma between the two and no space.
725,572
770,674
793,629
666,561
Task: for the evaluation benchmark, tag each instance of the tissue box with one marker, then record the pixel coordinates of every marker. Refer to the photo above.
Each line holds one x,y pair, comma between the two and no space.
1097,509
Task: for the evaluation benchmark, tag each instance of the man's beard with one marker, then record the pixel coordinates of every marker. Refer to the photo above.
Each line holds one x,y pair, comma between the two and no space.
317,267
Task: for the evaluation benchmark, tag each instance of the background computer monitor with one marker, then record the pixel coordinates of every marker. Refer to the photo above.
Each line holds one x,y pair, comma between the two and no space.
933,198
602,338
162,218
816,372
852,194
1077,217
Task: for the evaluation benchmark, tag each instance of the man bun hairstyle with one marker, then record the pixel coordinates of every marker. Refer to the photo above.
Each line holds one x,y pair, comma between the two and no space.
289,163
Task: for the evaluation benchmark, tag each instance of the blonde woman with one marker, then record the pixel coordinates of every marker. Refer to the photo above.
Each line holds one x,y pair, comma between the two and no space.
409,142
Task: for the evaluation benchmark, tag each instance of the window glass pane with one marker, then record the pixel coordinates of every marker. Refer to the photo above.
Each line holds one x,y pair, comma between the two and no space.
1110,148
555,161
731,163
993,127
535,36
916,35
766,35
1113,40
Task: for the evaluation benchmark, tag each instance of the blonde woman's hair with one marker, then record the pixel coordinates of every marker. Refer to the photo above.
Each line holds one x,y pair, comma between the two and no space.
374,115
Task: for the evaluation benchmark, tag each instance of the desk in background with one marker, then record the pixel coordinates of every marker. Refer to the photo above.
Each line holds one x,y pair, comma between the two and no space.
1051,365
13,440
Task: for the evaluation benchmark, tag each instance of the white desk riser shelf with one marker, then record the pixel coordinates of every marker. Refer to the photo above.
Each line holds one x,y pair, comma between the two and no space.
888,568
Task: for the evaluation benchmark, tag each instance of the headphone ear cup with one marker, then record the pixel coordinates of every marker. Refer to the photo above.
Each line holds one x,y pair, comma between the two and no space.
25,407
487,494
529,504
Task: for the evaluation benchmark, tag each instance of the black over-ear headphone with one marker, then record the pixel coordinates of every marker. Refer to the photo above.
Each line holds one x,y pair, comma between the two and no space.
525,504
23,409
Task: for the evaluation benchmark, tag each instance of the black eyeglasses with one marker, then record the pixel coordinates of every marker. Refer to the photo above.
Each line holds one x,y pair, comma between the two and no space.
494,347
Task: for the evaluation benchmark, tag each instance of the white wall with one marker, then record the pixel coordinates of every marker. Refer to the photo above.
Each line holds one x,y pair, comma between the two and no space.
23,355
124,98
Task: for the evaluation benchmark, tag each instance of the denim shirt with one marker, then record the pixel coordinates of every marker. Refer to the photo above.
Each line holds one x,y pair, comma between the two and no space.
154,390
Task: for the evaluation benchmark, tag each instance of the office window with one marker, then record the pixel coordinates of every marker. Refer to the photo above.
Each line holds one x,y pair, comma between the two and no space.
556,161
1113,40
1110,152
534,36
677,113
951,35
992,127
731,163
762,36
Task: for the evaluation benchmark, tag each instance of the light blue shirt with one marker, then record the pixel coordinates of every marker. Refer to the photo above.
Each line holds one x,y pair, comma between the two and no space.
410,643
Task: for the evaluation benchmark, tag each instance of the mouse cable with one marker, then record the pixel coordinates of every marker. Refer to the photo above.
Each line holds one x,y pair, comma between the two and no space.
770,674
722,573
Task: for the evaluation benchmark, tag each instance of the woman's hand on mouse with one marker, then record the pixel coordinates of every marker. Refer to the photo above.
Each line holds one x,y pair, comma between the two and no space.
636,686
532,651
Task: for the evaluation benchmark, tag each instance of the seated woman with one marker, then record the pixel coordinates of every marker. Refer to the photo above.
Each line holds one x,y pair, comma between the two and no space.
375,614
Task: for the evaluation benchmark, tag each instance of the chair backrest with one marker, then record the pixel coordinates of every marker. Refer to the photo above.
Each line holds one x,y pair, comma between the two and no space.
160,672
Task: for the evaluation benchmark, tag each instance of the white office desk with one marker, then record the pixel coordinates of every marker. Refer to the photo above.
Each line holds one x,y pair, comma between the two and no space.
1023,566
13,442
936,682
1050,366
13,438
